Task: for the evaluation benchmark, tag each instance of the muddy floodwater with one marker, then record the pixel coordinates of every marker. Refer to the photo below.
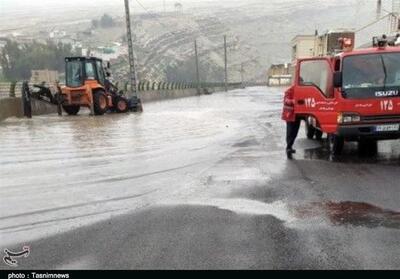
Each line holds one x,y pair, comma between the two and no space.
200,182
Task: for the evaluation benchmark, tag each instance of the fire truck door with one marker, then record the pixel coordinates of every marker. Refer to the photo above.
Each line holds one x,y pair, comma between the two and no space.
314,95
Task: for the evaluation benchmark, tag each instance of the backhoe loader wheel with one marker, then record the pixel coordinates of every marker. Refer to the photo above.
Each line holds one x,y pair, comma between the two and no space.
71,110
367,147
121,105
100,102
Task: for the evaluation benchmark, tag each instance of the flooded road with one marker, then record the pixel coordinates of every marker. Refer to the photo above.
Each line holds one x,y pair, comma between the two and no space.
199,182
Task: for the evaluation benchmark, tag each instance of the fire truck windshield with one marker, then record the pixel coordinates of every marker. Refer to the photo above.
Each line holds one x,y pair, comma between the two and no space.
371,75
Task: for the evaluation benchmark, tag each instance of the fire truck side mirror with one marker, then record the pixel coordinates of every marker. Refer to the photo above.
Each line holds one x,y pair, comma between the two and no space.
337,79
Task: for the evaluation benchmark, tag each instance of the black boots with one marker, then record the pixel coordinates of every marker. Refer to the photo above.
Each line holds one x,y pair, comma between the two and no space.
290,152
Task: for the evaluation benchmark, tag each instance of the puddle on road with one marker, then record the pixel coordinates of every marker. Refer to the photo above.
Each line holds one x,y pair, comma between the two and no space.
386,153
276,209
356,214
351,213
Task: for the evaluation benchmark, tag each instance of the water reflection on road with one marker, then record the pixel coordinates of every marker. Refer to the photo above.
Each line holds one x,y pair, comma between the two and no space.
385,153
204,176
59,169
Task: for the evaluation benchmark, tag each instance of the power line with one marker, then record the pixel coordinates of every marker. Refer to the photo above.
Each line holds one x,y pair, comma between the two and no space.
150,13
374,22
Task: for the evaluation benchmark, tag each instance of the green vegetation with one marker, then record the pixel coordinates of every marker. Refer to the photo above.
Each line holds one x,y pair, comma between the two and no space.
2,78
18,60
106,21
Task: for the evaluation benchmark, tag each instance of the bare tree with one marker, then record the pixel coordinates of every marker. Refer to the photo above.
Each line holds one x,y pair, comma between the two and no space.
178,7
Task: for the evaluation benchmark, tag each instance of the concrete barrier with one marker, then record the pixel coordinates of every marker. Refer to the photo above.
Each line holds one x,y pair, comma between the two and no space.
10,107
159,95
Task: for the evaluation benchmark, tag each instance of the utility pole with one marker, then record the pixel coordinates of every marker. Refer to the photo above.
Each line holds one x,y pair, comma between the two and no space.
197,67
226,65
241,73
378,9
395,6
395,16
132,69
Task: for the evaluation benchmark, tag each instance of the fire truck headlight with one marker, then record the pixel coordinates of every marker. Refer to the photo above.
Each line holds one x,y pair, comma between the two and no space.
356,118
348,118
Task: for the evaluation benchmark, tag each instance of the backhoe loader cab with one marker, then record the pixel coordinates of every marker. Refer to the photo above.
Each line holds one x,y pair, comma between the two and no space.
86,86
80,69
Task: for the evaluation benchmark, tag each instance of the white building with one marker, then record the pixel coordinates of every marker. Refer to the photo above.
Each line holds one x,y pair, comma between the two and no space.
47,76
303,46
57,34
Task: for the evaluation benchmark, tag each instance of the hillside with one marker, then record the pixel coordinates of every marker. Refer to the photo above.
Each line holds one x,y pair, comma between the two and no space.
259,32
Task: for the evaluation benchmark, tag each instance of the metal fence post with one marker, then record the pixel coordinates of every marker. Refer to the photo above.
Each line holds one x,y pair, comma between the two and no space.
13,85
26,100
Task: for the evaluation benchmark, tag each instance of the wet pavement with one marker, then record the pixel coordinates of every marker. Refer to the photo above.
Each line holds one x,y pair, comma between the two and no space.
195,183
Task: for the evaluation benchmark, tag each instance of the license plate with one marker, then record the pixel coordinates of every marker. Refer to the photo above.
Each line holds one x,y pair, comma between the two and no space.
388,128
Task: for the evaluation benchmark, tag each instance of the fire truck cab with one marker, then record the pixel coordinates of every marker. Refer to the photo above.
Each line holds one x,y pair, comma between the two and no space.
350,96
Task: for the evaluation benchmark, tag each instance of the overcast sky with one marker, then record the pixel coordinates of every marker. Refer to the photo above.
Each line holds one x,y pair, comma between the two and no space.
69,3
8,5
15,13
13,6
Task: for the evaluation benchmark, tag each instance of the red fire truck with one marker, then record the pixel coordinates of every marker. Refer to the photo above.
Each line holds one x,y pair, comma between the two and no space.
351,96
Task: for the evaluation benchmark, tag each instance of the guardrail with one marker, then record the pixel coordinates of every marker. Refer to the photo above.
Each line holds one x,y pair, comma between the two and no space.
6,87
148,92
145,85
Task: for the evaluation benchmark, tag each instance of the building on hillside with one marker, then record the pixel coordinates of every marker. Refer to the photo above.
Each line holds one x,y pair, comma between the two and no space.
57,34
46,76
24,39
329,43
279,75
279,69
303,46
105,53
3,42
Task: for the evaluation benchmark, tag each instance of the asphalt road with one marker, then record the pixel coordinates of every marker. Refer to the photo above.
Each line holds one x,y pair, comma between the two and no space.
195,183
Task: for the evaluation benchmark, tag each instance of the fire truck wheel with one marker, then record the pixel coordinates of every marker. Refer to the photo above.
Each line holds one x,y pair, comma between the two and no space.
368,147
71,110
100,102
310,130
121,105
336,144
318,134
